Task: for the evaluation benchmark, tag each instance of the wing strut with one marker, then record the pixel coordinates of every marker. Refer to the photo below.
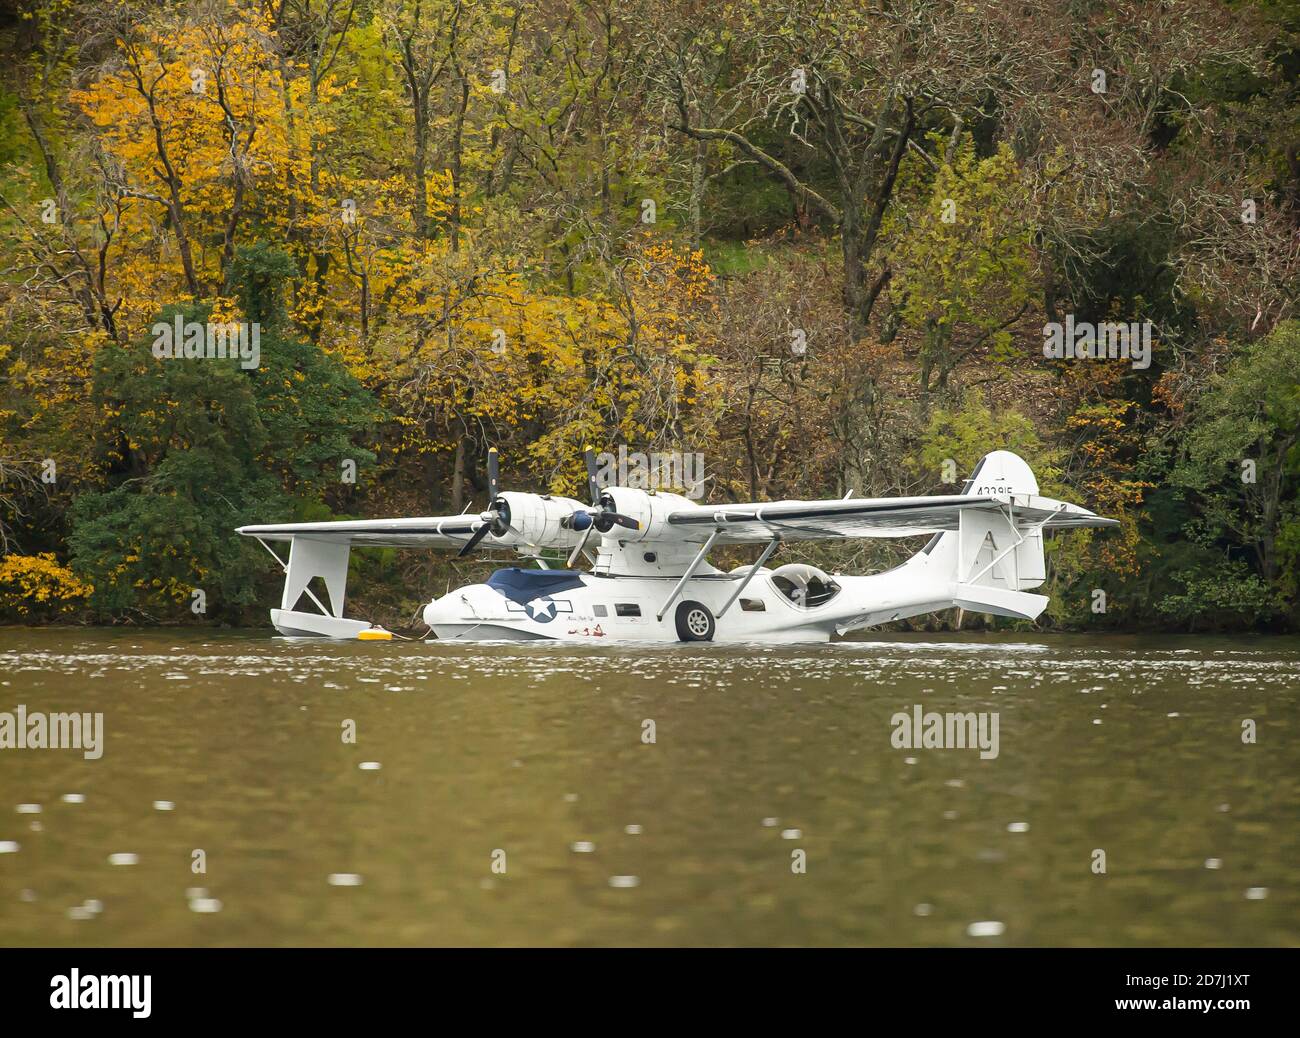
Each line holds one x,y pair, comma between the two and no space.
690,572
767,554
285,566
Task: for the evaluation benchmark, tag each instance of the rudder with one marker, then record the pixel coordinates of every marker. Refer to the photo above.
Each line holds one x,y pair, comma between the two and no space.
971,552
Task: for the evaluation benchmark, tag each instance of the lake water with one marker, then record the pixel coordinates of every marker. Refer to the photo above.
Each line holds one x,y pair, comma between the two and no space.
232,743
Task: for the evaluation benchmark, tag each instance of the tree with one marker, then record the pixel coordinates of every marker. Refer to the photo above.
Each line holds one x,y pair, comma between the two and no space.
199,446
1240,452
963,262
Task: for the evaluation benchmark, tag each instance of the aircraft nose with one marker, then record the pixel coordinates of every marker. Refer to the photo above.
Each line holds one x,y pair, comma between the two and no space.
467,603
440,609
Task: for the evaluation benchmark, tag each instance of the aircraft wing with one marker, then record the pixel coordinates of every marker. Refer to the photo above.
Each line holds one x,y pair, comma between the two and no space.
445,531
875,517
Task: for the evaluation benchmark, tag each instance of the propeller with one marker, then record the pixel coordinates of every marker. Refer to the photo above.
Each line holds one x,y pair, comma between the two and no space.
496,519
602,516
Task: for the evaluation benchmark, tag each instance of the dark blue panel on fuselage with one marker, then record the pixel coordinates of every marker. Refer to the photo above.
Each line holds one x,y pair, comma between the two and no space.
523,585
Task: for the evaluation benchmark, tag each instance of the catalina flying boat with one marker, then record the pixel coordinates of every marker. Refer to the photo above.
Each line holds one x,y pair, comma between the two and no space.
649,578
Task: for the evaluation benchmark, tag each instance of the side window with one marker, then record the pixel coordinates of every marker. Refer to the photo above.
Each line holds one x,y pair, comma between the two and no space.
790,589
821,591
809,595
600,610
626,609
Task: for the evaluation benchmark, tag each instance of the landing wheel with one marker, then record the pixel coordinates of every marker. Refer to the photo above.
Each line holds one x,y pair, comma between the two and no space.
694,622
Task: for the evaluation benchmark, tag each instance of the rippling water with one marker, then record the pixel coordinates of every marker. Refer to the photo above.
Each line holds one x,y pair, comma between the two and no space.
232,744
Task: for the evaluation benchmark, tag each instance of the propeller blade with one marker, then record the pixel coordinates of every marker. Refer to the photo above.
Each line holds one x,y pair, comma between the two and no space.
493,473
581,544
608,519
593,487
472,543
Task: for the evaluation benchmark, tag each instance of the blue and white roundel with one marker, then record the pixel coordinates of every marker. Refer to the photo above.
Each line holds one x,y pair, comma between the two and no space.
541,609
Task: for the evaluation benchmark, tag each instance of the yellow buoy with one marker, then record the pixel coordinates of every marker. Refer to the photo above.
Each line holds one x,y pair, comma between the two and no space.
375,634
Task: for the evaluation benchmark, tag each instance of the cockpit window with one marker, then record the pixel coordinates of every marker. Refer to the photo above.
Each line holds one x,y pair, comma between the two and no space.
805,586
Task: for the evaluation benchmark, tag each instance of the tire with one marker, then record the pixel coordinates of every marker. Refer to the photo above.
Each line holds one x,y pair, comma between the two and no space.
695,622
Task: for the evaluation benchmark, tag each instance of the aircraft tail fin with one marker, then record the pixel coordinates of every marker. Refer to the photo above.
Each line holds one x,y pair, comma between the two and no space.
990,558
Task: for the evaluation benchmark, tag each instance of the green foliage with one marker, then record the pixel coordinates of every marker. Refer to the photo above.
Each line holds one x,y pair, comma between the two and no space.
1240,458
1224,597
11,141
965,434
146,545
316,415
201,446
1250,410
734,258
964,264
260,272
1124,268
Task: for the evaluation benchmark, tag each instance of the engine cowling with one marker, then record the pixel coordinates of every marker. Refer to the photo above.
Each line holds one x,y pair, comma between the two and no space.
537,518
650,510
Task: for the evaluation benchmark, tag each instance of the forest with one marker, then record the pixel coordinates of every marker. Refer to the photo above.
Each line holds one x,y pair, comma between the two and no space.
823,246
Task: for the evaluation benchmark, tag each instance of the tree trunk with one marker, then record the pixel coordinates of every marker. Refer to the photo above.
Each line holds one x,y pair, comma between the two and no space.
457,160
458,478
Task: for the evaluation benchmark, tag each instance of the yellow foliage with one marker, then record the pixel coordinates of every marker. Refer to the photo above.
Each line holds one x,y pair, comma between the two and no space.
35,586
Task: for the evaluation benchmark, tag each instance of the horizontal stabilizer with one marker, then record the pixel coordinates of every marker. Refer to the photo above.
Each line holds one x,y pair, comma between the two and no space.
980,598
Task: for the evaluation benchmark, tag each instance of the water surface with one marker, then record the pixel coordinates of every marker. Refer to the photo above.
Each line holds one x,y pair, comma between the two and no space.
1132,746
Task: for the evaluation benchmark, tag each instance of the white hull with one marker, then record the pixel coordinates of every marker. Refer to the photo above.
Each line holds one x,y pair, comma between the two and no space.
480,632
569,606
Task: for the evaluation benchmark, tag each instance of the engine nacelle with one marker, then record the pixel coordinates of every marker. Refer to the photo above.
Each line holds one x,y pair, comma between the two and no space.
537,519
650,510
655,549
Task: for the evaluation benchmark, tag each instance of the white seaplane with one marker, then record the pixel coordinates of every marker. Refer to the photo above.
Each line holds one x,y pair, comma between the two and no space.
650,579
